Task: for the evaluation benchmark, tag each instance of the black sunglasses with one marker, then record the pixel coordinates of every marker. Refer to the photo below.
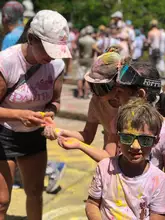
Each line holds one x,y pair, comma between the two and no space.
101,89
144,140
129,76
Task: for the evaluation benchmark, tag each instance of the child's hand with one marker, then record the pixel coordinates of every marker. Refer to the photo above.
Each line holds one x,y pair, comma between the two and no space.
68,143
51,132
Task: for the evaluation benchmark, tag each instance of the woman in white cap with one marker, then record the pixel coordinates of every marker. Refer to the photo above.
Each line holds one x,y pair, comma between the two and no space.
30,80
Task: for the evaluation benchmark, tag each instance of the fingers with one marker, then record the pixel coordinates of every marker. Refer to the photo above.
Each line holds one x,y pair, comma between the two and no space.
49,121
36,121
49,133
60,141
49,114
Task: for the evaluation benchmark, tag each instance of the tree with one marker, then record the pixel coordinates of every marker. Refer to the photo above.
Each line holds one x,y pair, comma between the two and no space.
96,12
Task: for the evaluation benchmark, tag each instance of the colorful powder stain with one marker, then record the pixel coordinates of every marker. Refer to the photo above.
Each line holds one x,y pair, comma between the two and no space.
119,215
119,200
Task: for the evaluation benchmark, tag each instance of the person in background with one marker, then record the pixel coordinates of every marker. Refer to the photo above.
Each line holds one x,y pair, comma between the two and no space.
71,46
156,51
86,55
137,46
28,10
130,29
106,40
117,20
12,21
128,186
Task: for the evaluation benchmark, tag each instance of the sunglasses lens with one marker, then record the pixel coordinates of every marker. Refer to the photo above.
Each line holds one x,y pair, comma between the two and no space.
126,138
146,141
101,89
126,76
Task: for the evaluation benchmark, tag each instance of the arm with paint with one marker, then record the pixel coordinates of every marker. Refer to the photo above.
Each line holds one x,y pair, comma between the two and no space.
154,216
53,107
95,196
71,143
92,209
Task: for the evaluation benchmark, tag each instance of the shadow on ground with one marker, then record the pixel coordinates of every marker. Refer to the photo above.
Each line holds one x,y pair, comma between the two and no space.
13,217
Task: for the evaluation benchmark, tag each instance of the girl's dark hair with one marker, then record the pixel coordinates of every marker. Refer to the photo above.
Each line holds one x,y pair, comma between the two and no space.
23,37
147,70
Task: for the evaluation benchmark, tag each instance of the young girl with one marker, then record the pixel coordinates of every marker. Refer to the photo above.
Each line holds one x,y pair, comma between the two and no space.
129,186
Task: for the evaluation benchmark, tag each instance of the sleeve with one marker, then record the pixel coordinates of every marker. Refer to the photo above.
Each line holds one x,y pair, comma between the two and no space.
5,69
99,43
157,156
157,204
58,66
116,42
95,189
158,152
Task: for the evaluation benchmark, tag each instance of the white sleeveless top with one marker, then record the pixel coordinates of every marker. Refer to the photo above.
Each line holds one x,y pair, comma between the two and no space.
33,94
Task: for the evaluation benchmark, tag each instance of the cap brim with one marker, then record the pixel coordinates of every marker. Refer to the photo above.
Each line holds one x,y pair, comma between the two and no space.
91,80
56,51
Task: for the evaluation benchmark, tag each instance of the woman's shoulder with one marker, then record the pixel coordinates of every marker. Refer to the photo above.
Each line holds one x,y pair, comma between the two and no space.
57,65
9,58
10,52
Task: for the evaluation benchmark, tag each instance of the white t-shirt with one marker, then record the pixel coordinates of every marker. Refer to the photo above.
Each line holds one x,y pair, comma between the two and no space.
33,94
72,38
127,198
158,152
105,42
137,46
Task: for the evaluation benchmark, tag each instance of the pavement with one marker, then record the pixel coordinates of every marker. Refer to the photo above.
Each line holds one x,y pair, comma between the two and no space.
72,107
69,202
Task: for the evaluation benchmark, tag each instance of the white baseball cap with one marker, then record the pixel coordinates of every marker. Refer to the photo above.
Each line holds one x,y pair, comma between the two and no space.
117,14
53,31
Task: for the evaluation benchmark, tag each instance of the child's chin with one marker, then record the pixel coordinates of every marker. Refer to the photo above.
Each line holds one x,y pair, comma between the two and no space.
136,160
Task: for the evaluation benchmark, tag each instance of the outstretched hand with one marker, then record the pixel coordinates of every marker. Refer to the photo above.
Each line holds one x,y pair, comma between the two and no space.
68,143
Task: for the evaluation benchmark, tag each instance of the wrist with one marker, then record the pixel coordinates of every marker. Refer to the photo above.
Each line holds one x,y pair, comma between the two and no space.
16,114
81,146
51,108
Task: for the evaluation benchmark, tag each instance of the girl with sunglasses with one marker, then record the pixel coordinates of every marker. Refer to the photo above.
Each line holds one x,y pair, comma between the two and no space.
129,186
112,88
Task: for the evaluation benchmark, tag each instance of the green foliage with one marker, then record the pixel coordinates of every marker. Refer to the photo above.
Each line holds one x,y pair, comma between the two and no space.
96,12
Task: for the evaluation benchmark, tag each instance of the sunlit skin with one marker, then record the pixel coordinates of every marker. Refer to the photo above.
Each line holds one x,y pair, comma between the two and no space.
118,96
134,158
40,54
34,51
135,153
